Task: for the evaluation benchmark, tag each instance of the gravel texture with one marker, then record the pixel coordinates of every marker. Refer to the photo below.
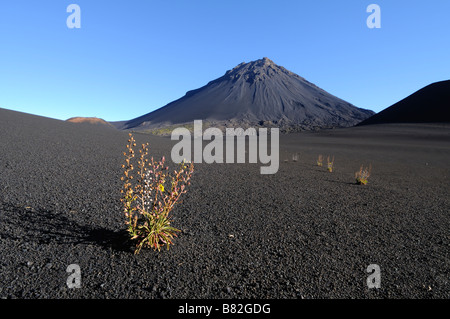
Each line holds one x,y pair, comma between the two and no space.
300,233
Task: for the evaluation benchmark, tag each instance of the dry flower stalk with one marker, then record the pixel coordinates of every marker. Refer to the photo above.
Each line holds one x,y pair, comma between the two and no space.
363,174
320,160
330,164
147,201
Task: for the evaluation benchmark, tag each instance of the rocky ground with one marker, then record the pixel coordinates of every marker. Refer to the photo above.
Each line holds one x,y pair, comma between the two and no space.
301,233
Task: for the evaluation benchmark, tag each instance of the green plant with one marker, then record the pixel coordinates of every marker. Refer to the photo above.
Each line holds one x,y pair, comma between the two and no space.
363,174
330,164
320,160
147,201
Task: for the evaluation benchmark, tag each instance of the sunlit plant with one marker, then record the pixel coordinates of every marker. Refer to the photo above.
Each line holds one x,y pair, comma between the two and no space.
150,197
320,160
363,174
330,164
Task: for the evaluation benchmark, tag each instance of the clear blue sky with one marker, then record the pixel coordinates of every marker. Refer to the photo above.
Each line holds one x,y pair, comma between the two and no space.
132,57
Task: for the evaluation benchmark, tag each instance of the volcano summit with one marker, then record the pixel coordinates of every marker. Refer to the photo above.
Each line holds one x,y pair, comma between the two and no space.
255,94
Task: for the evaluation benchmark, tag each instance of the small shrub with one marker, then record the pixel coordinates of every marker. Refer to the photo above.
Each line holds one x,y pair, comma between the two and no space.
148,199
320,160
362,175
330,164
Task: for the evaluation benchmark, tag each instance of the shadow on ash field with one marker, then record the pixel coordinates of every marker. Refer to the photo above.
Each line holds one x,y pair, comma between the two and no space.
46,227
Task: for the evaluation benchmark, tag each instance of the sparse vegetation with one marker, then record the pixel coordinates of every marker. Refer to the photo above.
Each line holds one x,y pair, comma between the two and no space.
320,161
363,174
147,200
330,164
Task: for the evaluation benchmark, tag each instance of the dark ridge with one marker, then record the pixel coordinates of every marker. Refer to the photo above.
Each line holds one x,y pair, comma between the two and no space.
430,104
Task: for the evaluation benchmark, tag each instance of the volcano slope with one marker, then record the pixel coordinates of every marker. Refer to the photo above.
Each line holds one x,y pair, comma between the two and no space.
255,94
300,233
430,104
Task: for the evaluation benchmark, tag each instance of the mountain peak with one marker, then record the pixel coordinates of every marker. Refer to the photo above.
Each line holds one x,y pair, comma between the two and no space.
266,61
255,71
256,93
261,63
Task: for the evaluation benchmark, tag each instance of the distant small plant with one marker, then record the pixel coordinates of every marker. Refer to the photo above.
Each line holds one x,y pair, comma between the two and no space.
320,161
330,164
363,174
147,201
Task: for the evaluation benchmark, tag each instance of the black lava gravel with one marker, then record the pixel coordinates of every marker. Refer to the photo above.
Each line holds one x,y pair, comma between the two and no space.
300,233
